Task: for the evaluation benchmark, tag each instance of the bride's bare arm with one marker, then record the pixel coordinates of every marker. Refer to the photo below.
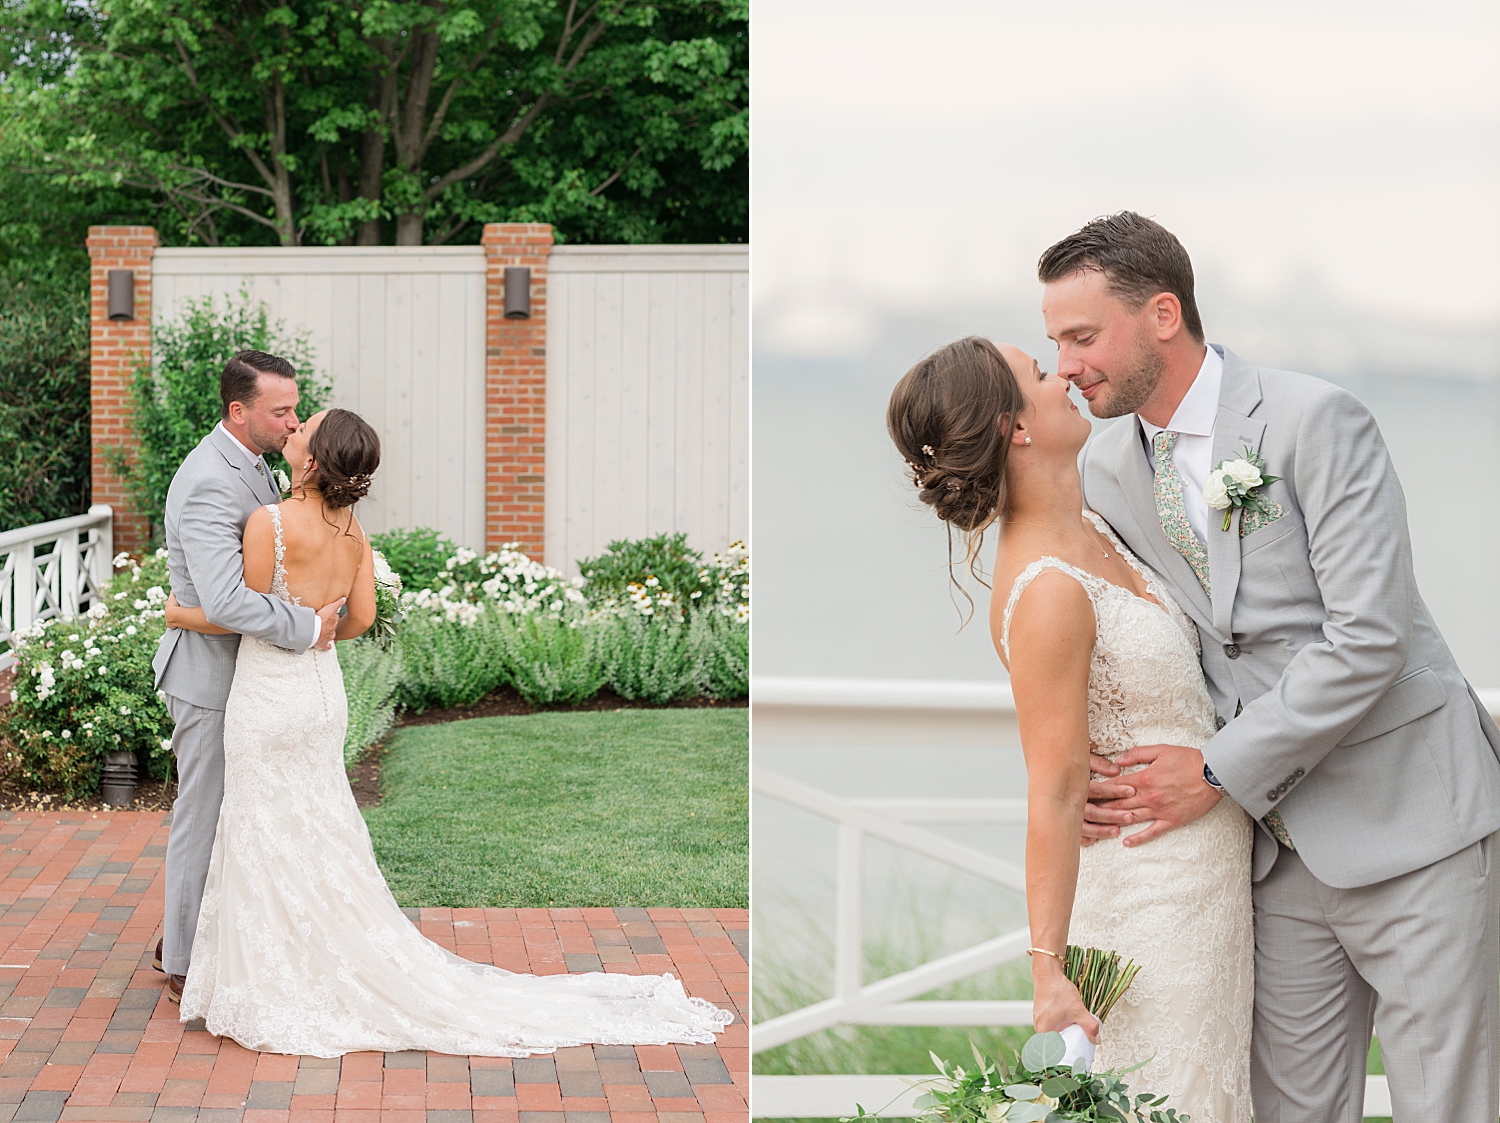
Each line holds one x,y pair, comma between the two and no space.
1051,639
360,607
191,619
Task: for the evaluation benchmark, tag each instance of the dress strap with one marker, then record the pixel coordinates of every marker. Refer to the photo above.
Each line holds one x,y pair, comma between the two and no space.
1031,573
278,573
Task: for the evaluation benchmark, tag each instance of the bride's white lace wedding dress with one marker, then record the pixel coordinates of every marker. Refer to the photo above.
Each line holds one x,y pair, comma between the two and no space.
1178,905
300,947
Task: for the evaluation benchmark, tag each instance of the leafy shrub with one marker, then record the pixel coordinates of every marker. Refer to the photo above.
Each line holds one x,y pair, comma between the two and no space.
548,660
44,395
84,687
419,556
666,559
721,584
370,680
447,662
647,658
722,647
175,399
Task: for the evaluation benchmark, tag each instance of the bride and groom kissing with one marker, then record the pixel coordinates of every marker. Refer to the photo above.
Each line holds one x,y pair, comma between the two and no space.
279,929
1253,764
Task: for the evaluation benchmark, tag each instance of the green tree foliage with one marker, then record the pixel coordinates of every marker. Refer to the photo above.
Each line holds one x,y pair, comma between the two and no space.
321,121
175,399
44,395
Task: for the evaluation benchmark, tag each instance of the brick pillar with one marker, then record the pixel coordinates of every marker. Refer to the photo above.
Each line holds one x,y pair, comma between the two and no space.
117,346
515,390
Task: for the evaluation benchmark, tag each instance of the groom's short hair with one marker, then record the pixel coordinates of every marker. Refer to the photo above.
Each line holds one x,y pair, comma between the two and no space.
1138,257
240,381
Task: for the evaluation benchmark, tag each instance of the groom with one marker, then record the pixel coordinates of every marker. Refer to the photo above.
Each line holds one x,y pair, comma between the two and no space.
214,492
1346,729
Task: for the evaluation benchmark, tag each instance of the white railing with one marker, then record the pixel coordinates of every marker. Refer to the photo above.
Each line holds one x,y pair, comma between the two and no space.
915,713
57,568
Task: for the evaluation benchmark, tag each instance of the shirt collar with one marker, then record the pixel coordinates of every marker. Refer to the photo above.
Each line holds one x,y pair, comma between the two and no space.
252,457
1199,409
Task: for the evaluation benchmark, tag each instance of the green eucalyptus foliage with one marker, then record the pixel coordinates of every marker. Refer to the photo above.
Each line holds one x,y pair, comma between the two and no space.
175,399
44,394
317,121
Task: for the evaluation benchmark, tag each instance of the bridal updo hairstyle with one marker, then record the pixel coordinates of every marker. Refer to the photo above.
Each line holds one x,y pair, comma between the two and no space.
952,417
345,452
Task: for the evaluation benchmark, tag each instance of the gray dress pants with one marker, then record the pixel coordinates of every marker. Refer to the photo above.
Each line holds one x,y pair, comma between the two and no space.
1417,957
198,744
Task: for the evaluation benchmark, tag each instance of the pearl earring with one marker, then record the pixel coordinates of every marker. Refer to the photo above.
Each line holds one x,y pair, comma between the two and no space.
1028,440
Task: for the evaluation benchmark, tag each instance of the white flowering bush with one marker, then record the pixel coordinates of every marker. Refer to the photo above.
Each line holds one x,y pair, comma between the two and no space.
84,686
652,619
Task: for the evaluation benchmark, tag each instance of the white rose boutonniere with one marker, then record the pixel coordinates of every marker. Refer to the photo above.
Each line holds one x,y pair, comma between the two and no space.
284,484
1237,483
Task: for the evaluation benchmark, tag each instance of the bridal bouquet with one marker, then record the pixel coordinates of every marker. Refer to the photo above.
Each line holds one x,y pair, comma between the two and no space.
1036,1088
1041,1085
387,602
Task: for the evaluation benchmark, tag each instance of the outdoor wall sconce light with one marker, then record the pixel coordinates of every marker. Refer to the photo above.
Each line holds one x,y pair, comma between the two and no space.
122,294
517,293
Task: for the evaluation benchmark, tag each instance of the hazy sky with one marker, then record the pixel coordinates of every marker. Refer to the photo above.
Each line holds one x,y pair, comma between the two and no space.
914,156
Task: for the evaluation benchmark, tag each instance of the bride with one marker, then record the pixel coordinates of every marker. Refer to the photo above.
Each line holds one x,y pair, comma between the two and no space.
300,947
1100,657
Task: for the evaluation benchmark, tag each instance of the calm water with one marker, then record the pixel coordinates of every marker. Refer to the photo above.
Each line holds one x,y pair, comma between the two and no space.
852,581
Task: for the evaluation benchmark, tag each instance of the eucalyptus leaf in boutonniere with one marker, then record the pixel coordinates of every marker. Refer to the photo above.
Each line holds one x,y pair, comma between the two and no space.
284,484
1237,483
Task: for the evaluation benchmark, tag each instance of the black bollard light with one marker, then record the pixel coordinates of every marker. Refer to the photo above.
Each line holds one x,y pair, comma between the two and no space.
118,788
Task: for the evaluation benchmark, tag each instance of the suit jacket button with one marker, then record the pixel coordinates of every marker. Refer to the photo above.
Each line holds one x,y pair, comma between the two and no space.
1273,795
1298,774
1218,723
1232,650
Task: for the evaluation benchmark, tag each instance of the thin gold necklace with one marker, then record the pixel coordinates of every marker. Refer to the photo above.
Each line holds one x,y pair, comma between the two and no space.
1060,534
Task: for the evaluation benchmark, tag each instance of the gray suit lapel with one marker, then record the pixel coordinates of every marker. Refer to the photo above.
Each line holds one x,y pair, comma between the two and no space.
234,456
1138,484
1234,430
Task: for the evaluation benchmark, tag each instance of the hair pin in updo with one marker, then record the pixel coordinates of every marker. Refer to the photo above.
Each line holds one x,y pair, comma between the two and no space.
930,451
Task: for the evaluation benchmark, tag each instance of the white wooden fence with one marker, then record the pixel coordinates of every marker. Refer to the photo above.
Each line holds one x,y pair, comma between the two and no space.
647,425
648,396
56,568
913,714
401,331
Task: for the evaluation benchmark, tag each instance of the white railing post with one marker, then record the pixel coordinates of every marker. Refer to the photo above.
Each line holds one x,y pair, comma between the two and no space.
23,586
848,939
67,573
102,560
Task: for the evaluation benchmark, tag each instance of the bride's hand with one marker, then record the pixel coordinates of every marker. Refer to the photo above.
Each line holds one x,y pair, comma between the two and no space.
1057,1004
173,617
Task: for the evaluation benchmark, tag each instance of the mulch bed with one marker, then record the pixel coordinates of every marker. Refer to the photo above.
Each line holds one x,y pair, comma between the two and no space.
364,776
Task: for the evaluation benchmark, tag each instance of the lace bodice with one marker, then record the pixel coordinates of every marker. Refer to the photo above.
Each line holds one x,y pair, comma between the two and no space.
1179,906
1145,684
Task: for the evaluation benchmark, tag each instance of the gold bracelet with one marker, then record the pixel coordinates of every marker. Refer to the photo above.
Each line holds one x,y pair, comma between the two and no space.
1044,951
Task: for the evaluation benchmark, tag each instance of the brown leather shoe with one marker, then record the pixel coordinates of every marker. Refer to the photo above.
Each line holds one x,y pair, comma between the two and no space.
175,983
156,961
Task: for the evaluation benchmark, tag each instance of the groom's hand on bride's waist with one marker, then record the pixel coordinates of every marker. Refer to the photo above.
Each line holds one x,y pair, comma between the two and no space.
1169,792
328,623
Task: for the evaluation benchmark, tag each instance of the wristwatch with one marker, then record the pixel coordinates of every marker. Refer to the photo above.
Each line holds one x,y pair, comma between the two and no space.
1213,781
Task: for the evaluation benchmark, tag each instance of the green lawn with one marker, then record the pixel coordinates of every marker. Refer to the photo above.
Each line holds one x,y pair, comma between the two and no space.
637,808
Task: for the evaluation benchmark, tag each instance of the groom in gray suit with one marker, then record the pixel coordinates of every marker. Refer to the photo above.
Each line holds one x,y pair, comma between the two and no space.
212,495
1346,729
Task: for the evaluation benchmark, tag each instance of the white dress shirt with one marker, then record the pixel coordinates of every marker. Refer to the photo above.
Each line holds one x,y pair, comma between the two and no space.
1193,422
254,458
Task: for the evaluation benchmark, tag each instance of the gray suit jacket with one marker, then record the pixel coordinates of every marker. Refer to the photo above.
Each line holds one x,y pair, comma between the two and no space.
212,496
1338,699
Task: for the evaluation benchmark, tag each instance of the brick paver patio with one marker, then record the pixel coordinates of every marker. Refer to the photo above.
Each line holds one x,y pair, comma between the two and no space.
86,1032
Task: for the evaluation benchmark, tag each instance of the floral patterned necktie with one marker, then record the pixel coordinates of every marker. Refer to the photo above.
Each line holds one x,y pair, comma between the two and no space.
1174,524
